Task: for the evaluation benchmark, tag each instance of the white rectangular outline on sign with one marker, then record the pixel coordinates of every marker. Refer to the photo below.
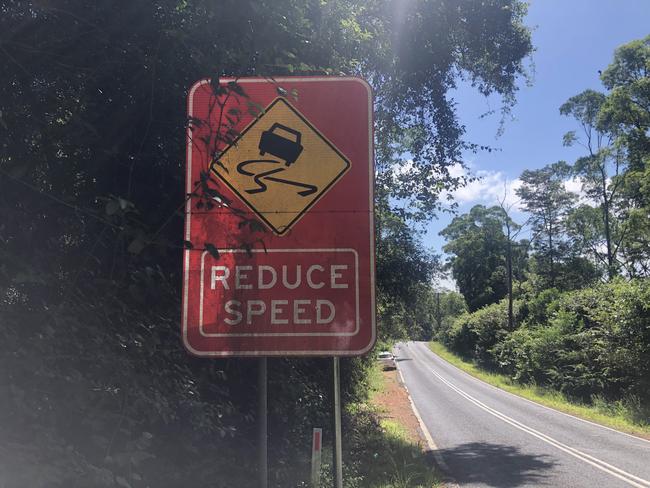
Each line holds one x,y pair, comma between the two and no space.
188,213
284,334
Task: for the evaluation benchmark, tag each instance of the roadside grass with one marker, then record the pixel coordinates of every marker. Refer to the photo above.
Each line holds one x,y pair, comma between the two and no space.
383,451
614,415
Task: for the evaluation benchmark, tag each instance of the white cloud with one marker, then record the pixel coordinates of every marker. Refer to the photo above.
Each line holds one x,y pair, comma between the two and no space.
446,284
489,188
574,185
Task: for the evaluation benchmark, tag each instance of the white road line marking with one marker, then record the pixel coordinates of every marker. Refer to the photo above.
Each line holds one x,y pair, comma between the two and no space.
636,438
427,435
597,463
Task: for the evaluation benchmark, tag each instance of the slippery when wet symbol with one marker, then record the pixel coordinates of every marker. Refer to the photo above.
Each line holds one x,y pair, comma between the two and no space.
280,166
262,177
287,150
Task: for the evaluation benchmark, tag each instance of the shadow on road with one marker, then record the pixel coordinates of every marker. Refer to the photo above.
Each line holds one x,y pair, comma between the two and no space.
495,465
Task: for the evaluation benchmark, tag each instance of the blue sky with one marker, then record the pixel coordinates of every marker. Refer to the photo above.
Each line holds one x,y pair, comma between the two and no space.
573,40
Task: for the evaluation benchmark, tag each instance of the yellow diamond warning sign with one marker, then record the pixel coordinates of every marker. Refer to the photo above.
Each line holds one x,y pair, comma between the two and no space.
280,166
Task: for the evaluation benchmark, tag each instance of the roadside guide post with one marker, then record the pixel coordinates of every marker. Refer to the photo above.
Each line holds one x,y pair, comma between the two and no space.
316,456
279,229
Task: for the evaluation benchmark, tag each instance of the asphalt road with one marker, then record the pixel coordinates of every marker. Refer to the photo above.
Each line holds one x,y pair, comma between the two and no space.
487,437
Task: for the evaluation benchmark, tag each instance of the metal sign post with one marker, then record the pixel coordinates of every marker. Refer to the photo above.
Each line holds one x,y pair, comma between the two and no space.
262,418
338,449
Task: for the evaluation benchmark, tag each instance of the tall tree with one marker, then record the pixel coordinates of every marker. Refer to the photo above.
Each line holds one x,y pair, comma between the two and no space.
477,246
413,67
627,106
405,270
626,110
544,197
599,173
516,253
447,305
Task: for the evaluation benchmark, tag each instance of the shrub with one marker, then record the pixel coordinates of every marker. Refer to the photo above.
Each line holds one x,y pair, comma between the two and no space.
608,329
473,335
588,343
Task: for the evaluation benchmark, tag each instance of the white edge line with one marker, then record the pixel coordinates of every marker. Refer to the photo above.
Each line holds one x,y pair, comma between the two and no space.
597,463
431,445
539,404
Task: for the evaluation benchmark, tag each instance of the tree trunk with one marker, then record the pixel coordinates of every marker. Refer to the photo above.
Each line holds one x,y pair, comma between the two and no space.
509,266
611,272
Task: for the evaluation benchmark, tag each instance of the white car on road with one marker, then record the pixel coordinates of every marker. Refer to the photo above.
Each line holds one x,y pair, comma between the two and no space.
387,360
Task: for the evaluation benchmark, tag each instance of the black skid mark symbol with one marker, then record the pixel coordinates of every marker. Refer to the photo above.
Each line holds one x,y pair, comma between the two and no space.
267,175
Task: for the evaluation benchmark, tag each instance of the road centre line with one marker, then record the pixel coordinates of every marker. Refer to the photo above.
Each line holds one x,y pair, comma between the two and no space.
598,463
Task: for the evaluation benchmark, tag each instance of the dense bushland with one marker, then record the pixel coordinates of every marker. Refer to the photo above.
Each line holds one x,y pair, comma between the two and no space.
95,386
588,344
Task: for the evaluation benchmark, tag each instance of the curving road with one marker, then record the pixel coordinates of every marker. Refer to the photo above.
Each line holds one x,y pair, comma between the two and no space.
486,437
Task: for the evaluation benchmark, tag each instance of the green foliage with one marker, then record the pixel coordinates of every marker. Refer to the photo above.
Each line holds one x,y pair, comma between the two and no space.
596,230
626,112
477,246
593,342
424,47
613,130
625,415
92,133
473,335
446,307
586,340
380,455
404,271
537,307
547,201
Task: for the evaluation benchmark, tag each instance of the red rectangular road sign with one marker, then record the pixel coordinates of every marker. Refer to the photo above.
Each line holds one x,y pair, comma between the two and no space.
279,218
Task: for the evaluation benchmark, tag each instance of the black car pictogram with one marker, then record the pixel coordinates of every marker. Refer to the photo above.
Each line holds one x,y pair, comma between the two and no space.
281,147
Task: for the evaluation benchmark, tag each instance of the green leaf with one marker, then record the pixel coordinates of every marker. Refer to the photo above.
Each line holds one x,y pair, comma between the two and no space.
237,88
122,482
212,250
215,84
137,245
18,171
112,206
124,204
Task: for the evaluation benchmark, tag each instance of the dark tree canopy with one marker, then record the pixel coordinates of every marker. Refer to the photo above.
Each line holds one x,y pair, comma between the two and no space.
92,134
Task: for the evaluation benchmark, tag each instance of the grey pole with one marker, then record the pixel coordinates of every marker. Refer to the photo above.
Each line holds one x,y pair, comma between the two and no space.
262,418
338,451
